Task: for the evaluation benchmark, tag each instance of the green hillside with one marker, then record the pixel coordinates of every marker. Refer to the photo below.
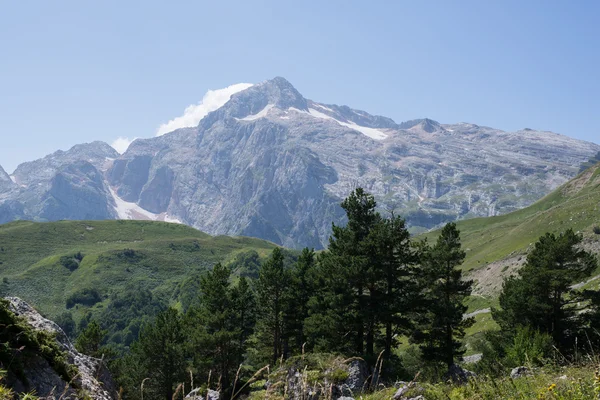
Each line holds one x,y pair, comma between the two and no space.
574,205
85,262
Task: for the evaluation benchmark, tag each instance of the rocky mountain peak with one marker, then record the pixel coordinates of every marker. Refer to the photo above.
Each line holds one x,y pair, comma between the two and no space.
426,124
257,100
4,177
96,153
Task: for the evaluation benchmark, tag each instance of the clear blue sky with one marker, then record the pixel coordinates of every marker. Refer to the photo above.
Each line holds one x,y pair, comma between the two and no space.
77,71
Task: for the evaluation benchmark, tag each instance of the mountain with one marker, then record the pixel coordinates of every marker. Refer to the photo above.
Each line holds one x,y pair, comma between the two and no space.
275,165
496,246
6,184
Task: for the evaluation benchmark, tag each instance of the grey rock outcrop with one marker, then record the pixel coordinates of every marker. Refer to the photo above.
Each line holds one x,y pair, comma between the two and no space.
275,165
93,378
197,395
519,372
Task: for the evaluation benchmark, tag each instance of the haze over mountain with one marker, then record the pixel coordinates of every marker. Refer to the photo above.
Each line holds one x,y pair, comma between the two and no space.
271,164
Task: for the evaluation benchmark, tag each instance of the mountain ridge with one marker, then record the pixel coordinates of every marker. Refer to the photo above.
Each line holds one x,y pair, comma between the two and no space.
272,164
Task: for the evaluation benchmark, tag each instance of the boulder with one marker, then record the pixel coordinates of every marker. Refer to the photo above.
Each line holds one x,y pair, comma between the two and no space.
358,373
519,372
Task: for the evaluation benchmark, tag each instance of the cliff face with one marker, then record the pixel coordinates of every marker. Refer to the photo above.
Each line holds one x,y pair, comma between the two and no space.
272,164
38,375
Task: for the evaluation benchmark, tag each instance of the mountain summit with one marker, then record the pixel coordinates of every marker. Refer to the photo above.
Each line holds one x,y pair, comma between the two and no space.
272,164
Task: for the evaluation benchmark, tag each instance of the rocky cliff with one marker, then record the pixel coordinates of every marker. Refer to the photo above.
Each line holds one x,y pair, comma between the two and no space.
275,165
38,375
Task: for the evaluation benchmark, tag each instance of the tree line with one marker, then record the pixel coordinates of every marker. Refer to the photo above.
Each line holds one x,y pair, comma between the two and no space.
371,287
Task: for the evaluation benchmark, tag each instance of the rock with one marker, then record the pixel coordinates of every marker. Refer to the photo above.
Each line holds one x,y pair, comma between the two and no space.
458,374
358,372
345,398
519,372
94,379
402,392
399,395
197,395
472,358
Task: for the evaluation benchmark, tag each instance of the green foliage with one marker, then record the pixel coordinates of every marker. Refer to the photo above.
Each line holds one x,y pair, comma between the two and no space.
127,312
541,296
67,323
246,264
90,339
529,347
159,355
271,288
215,333
84,296
445,293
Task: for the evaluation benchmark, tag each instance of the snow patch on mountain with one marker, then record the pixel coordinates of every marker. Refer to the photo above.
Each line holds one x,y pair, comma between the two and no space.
127,210
373,133
12,178
261,114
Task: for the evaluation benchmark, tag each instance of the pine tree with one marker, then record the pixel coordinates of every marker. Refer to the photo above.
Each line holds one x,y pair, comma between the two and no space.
90,339
244,304
213,326
541,296
159,354
398,292
272,288
301,289
445,293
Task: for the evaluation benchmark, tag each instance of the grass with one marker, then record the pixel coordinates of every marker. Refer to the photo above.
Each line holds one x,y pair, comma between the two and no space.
549,383
574,205
157,255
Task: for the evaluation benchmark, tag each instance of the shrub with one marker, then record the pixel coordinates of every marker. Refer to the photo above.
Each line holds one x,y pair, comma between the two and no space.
69,262
85,296
597,230
528,346
338,375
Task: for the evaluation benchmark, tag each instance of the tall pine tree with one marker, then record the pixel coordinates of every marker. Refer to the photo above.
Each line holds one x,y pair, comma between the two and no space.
272,291
445,292
541,295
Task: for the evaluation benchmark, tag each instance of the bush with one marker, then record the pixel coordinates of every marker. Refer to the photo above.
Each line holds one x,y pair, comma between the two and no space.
597,230
85,296
528,346
69,262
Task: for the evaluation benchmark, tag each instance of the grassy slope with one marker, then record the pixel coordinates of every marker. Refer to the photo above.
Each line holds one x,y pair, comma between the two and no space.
164,255
574,205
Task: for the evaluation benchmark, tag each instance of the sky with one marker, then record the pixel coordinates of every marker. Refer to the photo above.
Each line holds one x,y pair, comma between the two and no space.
79,71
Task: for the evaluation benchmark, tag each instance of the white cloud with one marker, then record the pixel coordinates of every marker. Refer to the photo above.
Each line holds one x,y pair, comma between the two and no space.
121,144
212,100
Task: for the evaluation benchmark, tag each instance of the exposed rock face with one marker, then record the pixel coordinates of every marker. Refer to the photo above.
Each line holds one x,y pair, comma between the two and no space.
6,183
94,379
275,165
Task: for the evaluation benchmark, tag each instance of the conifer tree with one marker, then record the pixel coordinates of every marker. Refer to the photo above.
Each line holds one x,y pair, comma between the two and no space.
272,291
300,291
214,326
244,305
90,339
159,355
541,296
445,292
